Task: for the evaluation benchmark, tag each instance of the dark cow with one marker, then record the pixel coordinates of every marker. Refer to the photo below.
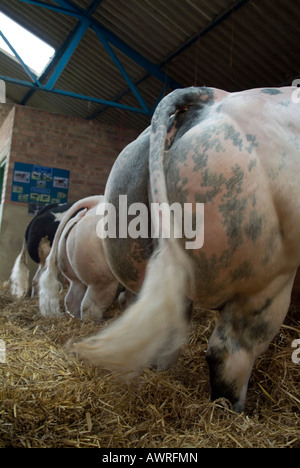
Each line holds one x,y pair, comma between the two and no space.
37,242
239,154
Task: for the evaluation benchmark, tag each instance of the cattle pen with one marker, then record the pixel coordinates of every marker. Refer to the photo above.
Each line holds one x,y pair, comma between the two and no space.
49,399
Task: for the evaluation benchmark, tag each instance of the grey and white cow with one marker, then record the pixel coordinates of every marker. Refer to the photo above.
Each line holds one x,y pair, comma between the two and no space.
77,253
239,154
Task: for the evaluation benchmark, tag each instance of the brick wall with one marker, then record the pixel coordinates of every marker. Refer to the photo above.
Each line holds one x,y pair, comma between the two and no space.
6,129
87,148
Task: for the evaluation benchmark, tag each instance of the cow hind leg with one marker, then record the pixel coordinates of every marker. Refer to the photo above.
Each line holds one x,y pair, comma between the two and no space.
49,291
35,281
97,300
243,331
74,297
43,251
125,298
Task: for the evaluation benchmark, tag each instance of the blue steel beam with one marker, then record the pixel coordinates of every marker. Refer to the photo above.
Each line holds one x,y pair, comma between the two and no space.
62,92
136,56
122,46
25,67
107,38
59,53
189,42
233,9
70,9
84,16
116,99
93,7
122,70
51,65
123,93
79,33
48,6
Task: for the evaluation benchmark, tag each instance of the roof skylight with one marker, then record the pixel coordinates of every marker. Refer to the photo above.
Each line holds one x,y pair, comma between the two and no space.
34,52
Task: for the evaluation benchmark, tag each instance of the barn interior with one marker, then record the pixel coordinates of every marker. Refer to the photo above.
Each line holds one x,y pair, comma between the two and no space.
113,62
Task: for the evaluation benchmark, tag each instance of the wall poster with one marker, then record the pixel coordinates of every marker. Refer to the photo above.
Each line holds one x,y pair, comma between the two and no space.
39,185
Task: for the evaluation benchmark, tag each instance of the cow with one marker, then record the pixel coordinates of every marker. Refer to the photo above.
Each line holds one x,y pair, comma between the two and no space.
37,243
77,253
239,155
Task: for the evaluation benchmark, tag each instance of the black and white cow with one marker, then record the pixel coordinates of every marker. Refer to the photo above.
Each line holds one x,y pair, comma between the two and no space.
239,155
37,242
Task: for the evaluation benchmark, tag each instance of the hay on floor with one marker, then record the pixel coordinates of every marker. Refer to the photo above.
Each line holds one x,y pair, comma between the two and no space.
49,399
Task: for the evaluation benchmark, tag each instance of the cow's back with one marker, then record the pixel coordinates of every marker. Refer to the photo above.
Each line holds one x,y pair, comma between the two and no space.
44,224
239,155
242,160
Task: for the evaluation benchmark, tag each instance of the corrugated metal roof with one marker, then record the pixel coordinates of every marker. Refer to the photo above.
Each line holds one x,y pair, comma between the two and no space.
257,45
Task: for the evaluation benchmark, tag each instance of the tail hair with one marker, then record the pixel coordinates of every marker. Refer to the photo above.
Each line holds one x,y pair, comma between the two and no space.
154,327
19,278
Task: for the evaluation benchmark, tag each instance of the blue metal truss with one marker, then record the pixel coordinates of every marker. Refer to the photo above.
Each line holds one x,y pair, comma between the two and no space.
81,28
25,67
51,66
170,83
63,55
46,82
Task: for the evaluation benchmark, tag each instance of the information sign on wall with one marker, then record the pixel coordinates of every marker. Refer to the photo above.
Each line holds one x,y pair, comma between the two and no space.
39,184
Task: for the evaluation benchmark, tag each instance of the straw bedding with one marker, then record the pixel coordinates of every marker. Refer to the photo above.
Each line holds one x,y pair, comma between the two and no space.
48,399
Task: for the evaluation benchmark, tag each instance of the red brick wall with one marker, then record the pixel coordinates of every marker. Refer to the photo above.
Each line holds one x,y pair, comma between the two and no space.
87,148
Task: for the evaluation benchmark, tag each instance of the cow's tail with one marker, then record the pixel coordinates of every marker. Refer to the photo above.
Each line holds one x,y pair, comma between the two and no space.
49,285
155,326
19,278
